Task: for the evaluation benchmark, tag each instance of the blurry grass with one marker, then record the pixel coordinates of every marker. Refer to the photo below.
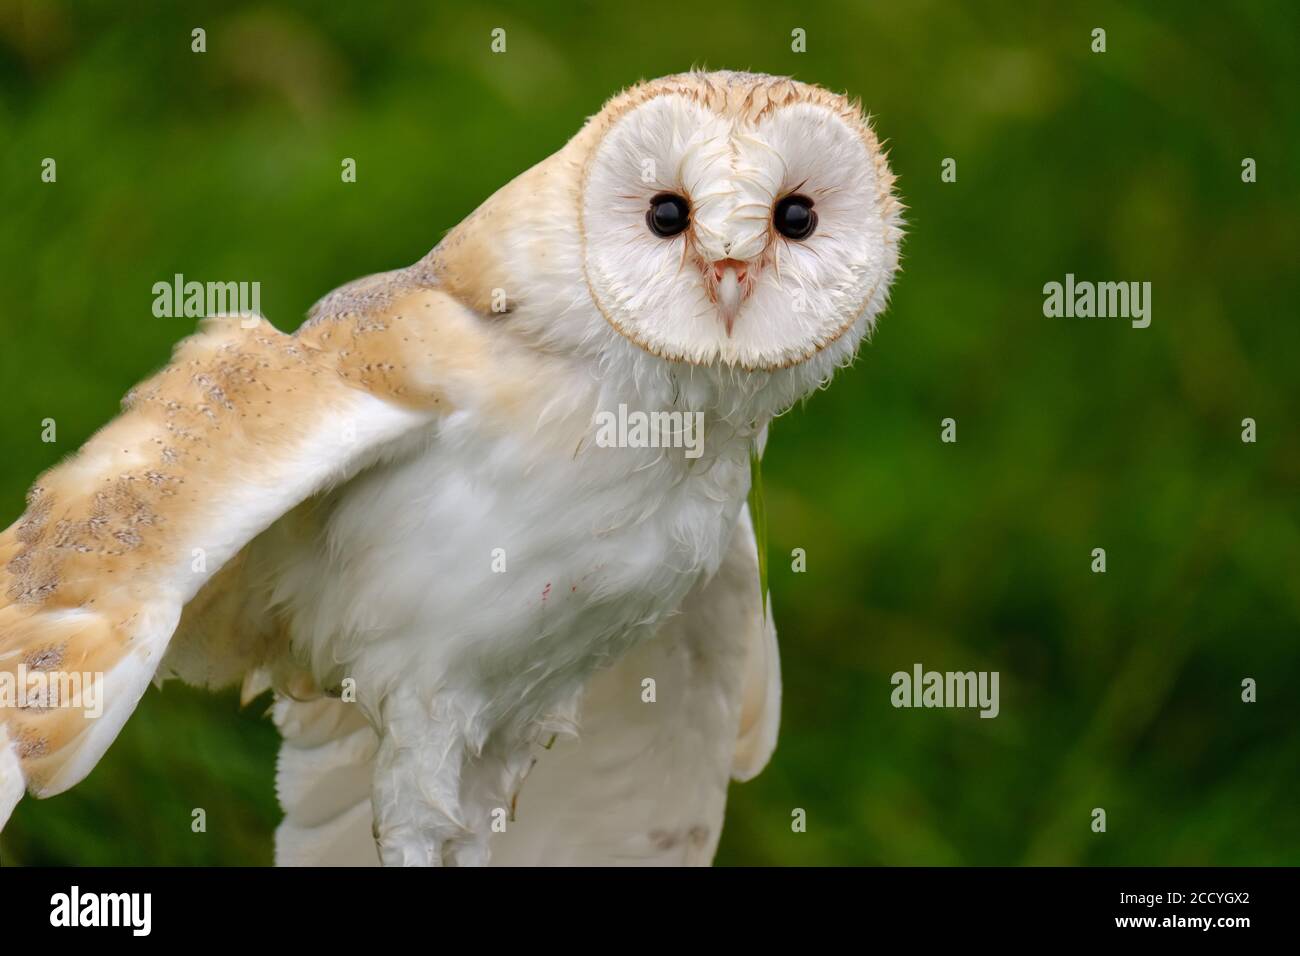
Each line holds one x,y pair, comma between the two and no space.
1118,690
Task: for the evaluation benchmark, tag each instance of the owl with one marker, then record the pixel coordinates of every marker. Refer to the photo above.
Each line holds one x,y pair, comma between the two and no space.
495,629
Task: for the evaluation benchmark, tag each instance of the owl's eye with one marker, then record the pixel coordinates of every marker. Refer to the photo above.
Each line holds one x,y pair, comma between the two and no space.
794,217
668,215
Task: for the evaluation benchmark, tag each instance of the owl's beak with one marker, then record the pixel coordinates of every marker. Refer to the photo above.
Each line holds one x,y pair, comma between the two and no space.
730,286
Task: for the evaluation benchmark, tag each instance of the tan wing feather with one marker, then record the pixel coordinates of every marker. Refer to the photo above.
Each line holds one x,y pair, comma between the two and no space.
242,425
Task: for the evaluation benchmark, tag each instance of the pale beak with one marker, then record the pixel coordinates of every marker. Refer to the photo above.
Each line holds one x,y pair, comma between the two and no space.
729,288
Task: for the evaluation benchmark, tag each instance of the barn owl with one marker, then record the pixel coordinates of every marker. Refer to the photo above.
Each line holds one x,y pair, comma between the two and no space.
490,636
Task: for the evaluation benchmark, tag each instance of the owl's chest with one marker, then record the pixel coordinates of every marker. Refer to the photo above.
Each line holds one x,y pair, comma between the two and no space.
490,557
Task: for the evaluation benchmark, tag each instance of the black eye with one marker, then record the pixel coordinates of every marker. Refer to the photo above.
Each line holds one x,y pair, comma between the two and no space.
668,215
794,217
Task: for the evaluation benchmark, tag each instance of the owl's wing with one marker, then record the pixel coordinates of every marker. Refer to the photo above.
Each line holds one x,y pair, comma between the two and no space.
644,782
244,424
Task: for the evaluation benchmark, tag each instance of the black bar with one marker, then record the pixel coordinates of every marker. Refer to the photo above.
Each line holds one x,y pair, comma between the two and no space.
255,906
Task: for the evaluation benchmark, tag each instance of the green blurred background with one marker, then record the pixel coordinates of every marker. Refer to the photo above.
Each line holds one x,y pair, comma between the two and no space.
1119,691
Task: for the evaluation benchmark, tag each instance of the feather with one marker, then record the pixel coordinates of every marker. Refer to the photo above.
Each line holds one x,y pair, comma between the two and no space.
245,423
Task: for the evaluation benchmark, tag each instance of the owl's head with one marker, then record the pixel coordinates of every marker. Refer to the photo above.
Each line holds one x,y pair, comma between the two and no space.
736,218
726,221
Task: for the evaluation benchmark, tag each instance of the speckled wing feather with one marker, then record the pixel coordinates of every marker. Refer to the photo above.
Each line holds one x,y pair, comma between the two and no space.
242,425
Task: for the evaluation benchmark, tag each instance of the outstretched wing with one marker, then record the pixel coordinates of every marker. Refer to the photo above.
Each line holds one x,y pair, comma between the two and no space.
241,426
